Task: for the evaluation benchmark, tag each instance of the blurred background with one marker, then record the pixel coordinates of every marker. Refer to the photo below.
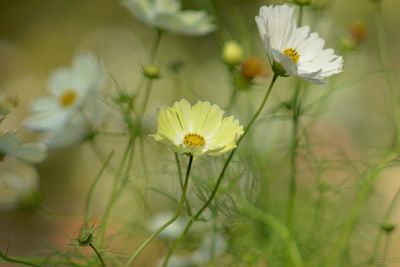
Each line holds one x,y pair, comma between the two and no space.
39,36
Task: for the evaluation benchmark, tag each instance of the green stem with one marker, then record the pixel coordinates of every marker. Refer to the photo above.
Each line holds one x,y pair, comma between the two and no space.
170,221
392,207
88,202
181,182
156,45
334,259
300,18
383,61
293,156
97,254
113,197
222,173
278,227
386,248
17,260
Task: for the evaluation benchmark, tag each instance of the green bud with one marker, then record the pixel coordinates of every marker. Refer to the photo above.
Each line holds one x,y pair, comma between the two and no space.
232,53
152,71
388,227
85,237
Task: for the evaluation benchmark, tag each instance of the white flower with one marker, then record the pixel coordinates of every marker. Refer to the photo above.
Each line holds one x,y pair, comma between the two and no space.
74,132
70,89
296,50
172,231
197,130
11,145
212,247
19,182
167,15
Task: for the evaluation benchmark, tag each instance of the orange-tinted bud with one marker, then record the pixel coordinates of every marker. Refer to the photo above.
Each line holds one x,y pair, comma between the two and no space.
253,67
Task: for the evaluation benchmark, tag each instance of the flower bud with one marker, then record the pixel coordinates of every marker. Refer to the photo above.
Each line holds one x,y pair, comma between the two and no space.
85,236
253,67
232,53
358,32
152,71
388,227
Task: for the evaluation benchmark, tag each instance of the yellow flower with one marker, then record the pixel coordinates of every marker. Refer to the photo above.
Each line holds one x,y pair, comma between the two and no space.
197,130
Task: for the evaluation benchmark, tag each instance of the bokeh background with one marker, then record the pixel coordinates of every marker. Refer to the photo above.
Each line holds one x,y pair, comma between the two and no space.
38,36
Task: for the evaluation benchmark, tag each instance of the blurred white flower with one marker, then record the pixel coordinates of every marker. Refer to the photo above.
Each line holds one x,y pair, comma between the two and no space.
19,182
74,132
197,130
167,15
11,145
294,51
212,246
172,231
70,90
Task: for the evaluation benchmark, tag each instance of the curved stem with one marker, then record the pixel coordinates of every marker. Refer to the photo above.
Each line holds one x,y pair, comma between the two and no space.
334,259
16,260
222,173
170,221
97,254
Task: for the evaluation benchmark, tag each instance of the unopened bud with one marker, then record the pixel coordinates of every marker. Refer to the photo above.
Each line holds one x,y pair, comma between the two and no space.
253,67
232,53
85,236
388,227
358,32
152,71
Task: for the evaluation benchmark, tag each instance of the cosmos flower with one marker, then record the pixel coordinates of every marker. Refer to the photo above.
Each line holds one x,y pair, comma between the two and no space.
294,50
197,130
70,89
12,146
167,15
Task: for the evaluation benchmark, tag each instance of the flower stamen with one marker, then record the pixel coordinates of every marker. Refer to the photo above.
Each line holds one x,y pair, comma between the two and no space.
68,98
293,54
194,140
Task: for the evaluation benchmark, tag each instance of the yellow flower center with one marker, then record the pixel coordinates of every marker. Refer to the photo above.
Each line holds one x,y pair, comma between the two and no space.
68,98
293,54
194,140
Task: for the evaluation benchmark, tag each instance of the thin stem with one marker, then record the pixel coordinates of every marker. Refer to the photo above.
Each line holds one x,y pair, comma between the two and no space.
383,61
170,221
89,197
181,182
17,260
97,254
293,157
334,259
300,18
156,45
392,207
222,173
106,215
146,99
386,248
